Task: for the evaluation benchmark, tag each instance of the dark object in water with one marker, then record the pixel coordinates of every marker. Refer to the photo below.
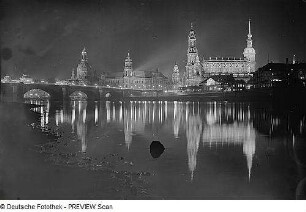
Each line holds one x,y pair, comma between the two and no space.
156,149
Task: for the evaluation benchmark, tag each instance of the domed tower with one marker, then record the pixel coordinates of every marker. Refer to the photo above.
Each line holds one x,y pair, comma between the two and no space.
128,71
84,72
249,52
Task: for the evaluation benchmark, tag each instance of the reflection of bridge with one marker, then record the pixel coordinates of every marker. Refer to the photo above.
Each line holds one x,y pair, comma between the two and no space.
16,91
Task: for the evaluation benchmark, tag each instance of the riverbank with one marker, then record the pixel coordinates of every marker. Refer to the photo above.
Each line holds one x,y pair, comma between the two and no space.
36,165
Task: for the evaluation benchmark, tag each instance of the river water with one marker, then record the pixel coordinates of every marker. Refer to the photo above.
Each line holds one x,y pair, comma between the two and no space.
213,150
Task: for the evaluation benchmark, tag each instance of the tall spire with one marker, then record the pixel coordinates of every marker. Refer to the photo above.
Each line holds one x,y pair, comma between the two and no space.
191,26
250,27
249,39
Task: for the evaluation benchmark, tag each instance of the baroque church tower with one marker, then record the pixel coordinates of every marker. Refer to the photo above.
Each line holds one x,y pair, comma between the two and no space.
84,71
249,52
128,71
193,72
176,76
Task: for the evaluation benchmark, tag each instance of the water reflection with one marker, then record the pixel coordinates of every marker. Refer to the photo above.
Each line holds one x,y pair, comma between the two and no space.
42,107
76,118
217,125
193,134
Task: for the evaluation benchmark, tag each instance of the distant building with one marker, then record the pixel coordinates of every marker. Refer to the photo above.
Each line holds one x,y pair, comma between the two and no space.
113,79
26,79
6,79
139,80
280,74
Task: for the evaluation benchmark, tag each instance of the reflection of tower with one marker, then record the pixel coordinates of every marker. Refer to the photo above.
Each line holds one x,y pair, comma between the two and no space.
81,124
239,131
107,111
96,113
127,119
73,115
177,113
44,113
249,147
193,133
193,72
120,112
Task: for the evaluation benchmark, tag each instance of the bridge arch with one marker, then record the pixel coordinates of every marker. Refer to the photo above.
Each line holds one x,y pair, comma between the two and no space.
36,94
78,95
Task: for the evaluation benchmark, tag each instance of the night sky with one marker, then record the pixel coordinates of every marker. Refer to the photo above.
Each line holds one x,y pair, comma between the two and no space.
44,38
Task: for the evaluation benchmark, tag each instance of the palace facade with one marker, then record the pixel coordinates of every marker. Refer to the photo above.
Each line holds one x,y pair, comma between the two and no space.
136,79
239,68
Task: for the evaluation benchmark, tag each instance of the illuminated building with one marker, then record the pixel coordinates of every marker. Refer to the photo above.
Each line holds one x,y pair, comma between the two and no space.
193,74
84,72
239,68
176,77
280,75
6,79
26,79
135,79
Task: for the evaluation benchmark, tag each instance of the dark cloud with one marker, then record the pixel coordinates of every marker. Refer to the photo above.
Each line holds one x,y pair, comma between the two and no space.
27,50
6,53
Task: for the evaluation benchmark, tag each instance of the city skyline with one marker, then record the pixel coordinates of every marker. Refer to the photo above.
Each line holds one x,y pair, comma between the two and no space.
51,47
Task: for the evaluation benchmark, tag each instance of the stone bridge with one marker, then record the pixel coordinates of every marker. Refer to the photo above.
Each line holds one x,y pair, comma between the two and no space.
16,91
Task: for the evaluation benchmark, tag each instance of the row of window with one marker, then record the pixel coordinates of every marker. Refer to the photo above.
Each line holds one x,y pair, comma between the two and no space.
235,65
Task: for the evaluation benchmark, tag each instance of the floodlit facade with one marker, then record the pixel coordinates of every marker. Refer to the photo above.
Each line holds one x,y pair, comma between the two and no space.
84,73
136,79
193,73
239,68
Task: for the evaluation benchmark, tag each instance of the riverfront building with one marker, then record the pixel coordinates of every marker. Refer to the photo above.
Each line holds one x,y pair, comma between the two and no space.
239,68
84,73
280,75
136,79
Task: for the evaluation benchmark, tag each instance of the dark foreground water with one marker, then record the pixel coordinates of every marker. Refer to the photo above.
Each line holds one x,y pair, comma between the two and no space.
213,150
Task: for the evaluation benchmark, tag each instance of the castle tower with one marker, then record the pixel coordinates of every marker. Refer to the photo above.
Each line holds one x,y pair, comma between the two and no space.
249,52
128,66
128,71
176,76
193,67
